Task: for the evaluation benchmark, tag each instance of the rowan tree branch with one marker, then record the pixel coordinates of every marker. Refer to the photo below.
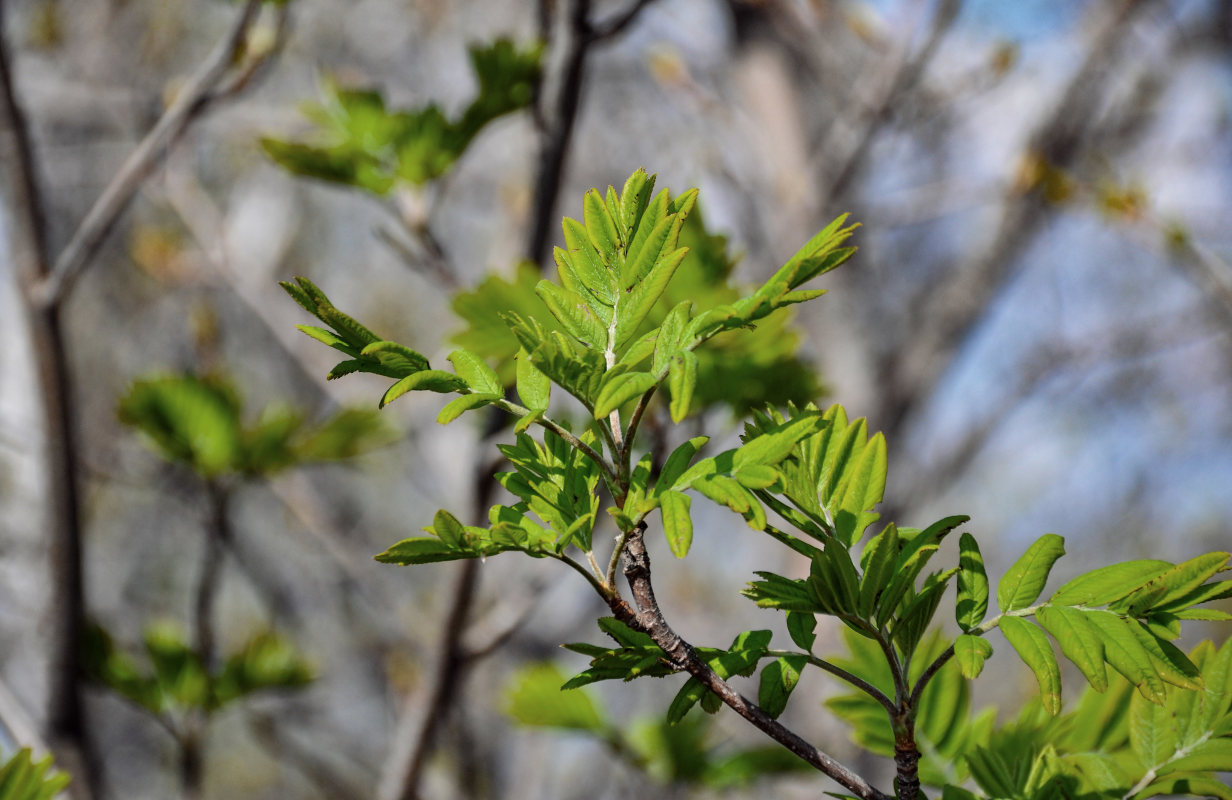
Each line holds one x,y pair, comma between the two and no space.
648,618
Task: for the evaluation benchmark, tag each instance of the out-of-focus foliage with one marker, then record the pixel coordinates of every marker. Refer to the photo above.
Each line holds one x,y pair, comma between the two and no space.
199,421
683,753
22,778
174,680
356,140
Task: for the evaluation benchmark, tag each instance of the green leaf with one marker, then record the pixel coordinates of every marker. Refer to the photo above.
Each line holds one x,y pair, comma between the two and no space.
1171,584
1080,641
756,476
534,388
861,488
601,228
1169,663
1189,786
421,550
586,264
972,584
775,591
1107,584
802,629
432,380
534,698
879,569
970,652
681,381
620,388
1024,581
528,419
478,375
1032,646
23,778
266,661
633,200
637,303
678,462
574,313
646,250
677,522
778,680
914,620
1124,651
460,405
771,447
1152,731
398,357
1213,755
327,338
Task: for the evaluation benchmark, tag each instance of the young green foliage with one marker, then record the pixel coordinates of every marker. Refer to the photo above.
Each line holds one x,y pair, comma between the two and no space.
23,778
199,421
611,333
682,754
176,681
358,141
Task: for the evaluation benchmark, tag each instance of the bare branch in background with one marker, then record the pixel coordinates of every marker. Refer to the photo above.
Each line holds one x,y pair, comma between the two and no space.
308,761
67,727
43,286
1050,361
846,147
210,83
570,33
947,316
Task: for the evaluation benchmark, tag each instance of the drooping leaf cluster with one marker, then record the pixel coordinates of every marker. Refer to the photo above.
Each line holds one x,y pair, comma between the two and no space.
23,778
199,421
174,679
358,141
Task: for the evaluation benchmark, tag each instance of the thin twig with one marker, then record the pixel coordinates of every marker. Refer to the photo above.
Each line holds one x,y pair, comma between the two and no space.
188,106
837,671
648,618
417,729
436,267
555,427
617,23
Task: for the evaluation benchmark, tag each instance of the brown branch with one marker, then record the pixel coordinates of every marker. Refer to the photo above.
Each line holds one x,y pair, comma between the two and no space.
217,535
418,728
617,23
571,35
66,716
188,106
648,618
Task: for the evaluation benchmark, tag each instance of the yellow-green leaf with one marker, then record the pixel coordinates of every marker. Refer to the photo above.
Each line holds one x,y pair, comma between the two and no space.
1032,646
1024,581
